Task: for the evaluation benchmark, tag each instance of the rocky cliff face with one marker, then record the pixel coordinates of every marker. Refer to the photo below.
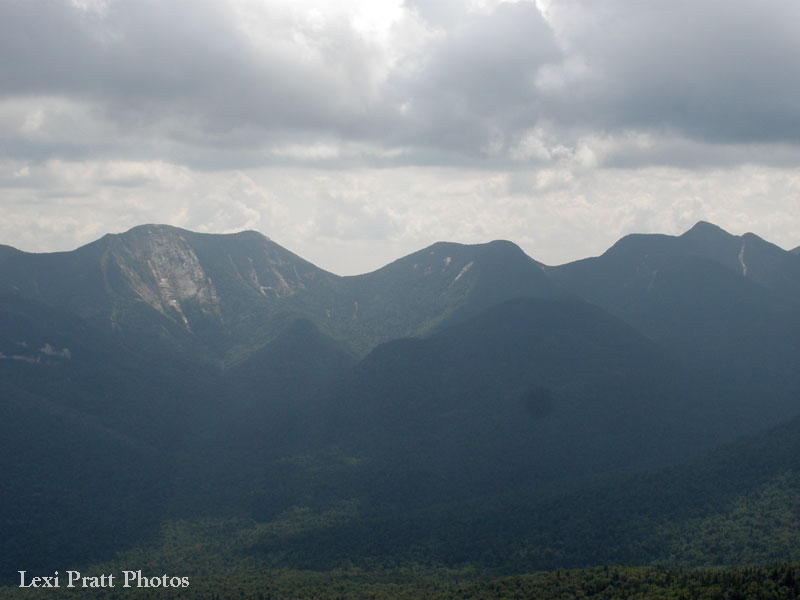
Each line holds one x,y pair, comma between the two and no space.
162,270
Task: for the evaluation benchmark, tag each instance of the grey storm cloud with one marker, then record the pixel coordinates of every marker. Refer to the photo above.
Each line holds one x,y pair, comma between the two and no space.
476,82
216,84
186,70
715,70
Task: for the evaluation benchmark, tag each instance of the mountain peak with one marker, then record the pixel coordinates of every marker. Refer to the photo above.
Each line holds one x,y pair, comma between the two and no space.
251,233
161,229
506,248
704,229
455,253
506,244
494,244
151,229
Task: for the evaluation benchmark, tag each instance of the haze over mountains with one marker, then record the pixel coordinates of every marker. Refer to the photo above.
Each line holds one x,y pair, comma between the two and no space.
162,374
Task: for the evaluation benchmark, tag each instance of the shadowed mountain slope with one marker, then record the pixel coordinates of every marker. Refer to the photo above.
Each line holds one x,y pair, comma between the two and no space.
728,303
528,392
737,505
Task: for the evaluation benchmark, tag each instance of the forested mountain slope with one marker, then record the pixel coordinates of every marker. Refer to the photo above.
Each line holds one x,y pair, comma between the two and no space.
735,506
458,389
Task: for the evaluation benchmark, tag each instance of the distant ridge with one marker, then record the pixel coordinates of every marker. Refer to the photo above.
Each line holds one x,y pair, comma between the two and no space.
225,295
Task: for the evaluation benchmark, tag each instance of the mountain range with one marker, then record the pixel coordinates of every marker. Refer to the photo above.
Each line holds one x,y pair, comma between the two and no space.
161,374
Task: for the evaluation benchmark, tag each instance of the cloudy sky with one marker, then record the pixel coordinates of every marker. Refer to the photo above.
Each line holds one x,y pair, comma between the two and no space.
353,132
